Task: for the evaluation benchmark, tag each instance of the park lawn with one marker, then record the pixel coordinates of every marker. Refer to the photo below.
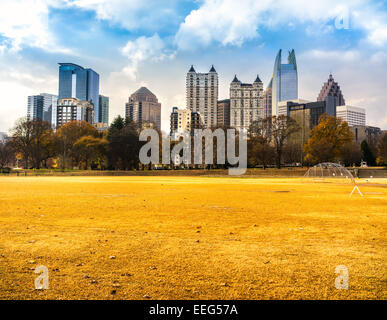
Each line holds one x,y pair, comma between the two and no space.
191,238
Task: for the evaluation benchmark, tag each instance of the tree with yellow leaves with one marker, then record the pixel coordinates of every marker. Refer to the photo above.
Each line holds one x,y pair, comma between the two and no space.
327,140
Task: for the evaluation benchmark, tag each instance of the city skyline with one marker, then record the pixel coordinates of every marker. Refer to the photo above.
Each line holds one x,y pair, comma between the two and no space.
158,50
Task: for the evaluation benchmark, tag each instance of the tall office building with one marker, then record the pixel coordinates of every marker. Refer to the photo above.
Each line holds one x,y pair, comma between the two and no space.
35,108
246,103
202,94
143,107
103,115
78,82
73,109
354,116
223,113
285,80
41,106
307,115
331,89
183,121
267,100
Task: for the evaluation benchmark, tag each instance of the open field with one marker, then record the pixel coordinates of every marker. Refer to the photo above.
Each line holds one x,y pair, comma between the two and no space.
191,238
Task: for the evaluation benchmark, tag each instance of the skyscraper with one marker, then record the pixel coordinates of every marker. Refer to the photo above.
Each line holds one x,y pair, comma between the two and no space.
78,82
331,89
41,106
143,107
223,113
267,100
202,94
103,116
285,80
246,103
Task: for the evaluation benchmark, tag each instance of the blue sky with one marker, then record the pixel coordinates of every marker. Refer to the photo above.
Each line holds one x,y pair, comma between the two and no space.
131,43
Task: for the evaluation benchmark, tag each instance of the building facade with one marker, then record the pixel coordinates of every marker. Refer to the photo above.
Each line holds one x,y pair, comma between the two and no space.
103,115
143,107
223,113
41,106
267,100
202,94
284,80
78,82
366,133
354,116
73,109
183,121
246,103
331,89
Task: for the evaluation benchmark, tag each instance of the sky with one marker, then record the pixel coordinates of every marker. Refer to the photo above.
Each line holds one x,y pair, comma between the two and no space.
134,43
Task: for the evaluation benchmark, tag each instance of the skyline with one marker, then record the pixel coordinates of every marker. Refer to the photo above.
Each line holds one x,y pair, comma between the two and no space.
158,51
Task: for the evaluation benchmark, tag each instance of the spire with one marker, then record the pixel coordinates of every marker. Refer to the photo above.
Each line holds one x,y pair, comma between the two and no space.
257,80
192,69
235,79
212,69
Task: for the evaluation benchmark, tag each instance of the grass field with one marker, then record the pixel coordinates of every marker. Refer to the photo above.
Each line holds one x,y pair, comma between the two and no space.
191,238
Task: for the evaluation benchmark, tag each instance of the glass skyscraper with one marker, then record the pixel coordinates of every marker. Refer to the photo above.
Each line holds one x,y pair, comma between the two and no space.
40,107
78,82
103,116
284,81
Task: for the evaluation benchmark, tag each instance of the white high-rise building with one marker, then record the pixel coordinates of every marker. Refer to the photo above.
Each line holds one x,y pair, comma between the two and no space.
354,116
202,95
246,103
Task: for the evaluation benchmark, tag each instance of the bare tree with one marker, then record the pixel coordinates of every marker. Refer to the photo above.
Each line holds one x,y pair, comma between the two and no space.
6,153
281,128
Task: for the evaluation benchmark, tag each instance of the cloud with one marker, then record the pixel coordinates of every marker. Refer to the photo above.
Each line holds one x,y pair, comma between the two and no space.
230,22
144,49
26,23
133,14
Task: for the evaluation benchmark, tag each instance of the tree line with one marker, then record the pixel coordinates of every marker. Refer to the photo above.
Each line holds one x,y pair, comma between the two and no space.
273,141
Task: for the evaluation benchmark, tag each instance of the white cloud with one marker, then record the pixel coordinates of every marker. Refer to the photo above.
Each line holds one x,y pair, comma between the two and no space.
26,23
133,14
144,49
230,22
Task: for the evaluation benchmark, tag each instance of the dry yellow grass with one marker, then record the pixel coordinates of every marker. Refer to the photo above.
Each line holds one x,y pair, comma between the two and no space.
191,238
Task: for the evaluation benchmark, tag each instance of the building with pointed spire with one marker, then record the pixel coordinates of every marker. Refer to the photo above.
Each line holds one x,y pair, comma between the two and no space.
202,95
284,80
331,89
144,108
246,103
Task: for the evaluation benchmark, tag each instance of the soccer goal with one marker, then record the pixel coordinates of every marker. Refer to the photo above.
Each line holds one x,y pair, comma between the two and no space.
331,172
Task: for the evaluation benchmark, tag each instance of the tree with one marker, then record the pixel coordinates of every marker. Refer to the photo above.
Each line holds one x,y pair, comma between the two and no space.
21,139
123,144
33,139
90,149
260,150
6,153
351,154
42,142
327,140
67,135
382,149
282,127
367,154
